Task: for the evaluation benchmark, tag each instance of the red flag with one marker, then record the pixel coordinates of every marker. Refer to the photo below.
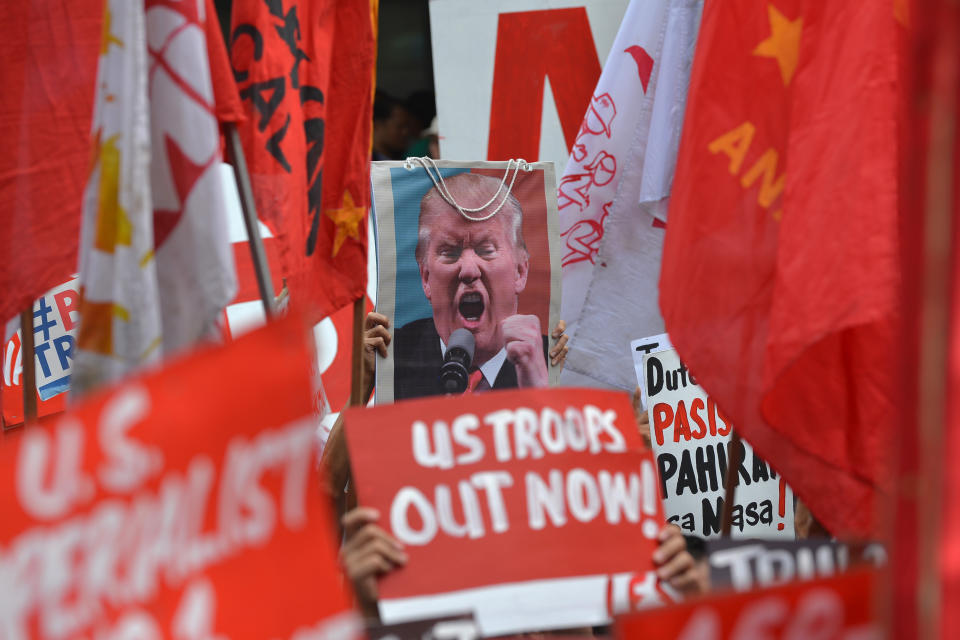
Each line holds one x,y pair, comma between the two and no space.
780,268
308,94
49,52
925,547
225,94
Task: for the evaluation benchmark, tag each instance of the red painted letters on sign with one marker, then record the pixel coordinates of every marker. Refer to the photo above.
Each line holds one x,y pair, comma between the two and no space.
828,609
531,47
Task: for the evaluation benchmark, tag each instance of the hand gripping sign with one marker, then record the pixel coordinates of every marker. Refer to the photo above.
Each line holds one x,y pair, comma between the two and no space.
536,509
179,505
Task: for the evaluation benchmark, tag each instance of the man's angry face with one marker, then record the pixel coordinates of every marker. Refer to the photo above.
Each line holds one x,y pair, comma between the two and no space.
472,274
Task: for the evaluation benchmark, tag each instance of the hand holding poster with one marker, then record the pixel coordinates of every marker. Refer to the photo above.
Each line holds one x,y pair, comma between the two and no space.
543,497
181,505
689,434
466,248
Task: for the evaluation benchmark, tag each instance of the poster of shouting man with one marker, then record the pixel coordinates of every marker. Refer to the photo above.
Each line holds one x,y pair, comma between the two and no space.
468,276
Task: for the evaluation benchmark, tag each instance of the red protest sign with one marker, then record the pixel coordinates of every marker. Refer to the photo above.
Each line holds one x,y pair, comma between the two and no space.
827,609
181,504
542,496
55,319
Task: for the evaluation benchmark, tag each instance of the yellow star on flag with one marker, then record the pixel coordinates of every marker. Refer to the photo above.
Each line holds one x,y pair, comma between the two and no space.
106,37
783,44
113,227
901,12
347,219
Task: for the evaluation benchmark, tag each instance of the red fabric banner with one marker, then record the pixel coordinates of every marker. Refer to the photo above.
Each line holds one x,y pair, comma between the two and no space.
827,609
49,51
925,548
305,72
50,54
225,93
780,274
180,504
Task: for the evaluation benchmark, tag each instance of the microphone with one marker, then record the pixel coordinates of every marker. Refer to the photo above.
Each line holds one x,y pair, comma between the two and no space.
456,362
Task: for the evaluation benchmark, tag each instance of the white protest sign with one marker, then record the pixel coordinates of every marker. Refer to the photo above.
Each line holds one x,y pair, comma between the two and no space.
640,348
514,77
689,434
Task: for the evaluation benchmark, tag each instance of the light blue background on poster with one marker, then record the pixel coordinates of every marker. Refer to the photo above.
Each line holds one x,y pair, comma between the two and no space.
408,188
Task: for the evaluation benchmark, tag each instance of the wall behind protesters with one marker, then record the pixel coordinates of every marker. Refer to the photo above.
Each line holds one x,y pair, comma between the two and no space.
404,51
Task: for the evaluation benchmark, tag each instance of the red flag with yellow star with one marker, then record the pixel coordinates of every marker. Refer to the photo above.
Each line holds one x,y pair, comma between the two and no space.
305,73
780,263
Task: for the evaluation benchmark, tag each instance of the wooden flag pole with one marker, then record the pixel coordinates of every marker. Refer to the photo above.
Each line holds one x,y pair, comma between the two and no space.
356,378
244,188
29,374
734,451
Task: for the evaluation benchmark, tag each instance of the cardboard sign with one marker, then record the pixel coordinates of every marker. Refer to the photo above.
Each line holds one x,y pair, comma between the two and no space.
179,505
514,77
830,609
55,319
744,565
639,349
483,270
689,434
534,509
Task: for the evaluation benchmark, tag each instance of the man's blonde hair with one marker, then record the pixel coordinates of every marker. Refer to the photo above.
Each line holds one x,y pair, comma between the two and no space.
472,189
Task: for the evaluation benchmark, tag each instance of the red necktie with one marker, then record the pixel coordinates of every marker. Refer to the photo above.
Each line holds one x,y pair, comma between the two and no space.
474,380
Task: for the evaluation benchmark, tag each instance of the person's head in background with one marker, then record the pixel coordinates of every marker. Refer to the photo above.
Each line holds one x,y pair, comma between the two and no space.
432,136
391,127
423,113
422,105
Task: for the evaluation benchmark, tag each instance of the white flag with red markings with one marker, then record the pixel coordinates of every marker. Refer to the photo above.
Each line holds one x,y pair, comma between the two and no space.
613,193
194,255
156,266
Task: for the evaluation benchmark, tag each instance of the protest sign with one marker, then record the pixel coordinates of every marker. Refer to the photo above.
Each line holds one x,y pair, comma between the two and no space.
54,329
462,627
742,565
492,268
181,504
640,348
535,509
514,77
828,609
689,434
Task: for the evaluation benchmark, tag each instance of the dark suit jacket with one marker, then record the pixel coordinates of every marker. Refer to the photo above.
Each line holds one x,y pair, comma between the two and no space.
417,359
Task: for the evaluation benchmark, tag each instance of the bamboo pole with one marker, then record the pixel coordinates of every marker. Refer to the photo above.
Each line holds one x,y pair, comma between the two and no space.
29,374
734,451
248,206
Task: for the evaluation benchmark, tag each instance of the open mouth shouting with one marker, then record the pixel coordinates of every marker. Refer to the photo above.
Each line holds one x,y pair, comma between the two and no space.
471,308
